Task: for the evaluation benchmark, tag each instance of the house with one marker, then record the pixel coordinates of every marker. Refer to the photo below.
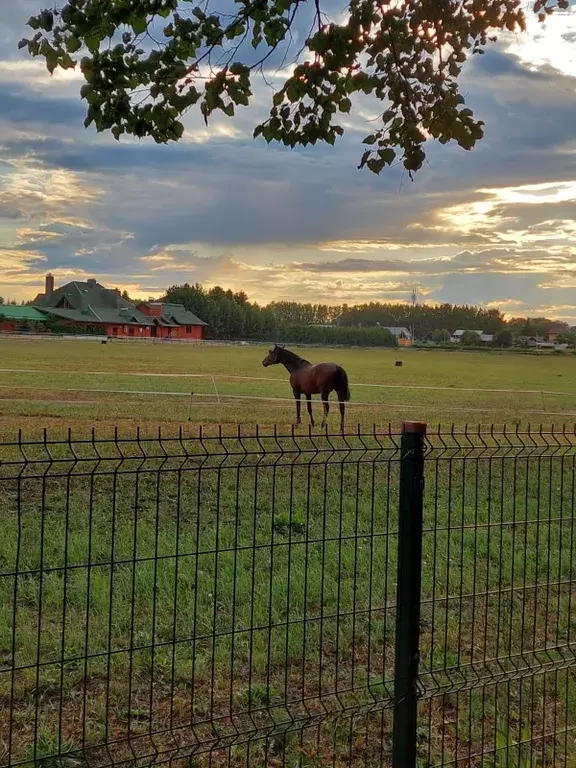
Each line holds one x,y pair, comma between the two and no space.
555,331
94,308
485,338
172,320
99,309
13,318
402,335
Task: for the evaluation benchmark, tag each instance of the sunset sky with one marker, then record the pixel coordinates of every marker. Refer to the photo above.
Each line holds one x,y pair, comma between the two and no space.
494,227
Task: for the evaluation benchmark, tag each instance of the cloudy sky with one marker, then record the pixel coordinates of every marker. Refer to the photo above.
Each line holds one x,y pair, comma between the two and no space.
495,226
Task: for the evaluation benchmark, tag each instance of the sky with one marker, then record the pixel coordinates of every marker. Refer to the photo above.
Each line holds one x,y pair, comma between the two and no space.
494,227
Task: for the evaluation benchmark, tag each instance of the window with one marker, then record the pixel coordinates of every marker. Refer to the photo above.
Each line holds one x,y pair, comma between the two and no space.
114,331
131,331
188,329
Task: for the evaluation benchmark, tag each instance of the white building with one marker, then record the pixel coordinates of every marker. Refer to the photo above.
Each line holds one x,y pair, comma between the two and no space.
485,338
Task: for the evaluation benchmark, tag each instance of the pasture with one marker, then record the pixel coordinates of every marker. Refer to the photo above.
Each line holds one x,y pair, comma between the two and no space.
79,383
149,605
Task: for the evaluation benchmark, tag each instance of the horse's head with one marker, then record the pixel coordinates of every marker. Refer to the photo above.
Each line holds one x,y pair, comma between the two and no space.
273,357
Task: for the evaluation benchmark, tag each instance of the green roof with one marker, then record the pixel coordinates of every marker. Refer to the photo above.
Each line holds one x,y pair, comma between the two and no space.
12,312
180,314
90,302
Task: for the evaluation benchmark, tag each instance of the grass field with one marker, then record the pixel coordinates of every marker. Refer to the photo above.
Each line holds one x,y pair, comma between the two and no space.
45,381
188,602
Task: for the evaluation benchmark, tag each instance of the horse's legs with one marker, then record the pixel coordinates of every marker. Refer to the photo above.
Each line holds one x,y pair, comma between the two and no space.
309,406
342,411
326,404
297,395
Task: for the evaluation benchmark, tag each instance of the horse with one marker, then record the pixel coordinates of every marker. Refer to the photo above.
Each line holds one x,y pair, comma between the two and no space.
307,379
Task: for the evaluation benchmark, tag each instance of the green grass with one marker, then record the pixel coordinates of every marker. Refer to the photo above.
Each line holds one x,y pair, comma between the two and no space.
247,598
32,398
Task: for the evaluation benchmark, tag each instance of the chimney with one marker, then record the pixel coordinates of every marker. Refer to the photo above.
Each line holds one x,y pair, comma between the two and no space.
49,290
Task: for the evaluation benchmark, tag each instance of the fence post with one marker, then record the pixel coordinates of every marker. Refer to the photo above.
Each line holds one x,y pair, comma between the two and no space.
408,594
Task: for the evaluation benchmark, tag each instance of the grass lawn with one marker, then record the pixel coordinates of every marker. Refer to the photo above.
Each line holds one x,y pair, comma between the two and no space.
63,369
176,603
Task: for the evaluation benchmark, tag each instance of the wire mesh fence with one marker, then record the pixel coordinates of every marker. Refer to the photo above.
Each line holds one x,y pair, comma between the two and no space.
211,600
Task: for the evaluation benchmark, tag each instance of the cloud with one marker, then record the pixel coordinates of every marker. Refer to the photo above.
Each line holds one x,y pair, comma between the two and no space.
495,225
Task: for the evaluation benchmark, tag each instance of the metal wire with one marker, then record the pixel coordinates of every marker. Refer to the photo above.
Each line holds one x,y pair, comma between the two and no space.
213,599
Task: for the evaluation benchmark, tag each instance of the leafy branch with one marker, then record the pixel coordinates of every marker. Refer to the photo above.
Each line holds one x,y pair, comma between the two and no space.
408,56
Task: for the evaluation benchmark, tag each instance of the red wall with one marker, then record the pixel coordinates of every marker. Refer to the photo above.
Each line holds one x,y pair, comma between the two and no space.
136,333
196,332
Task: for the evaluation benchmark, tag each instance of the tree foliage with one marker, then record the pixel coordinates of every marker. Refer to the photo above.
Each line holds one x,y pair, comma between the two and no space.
503,338
231,315
569,338
147,62
470,339
424,318
533,326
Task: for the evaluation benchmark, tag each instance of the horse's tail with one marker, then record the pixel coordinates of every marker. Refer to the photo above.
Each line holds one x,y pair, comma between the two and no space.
341,384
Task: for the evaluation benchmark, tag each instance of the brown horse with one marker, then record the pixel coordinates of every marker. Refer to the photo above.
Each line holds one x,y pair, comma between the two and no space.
307,379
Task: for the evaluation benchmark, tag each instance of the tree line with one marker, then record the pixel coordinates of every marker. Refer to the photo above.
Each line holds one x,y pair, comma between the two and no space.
231,315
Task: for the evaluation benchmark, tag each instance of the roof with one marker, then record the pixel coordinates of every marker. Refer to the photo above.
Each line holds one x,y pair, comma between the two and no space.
461,332
12,312
90,302
397,330
179,314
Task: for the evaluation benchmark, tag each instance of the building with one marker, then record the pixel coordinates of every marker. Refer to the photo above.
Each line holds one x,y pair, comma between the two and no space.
555,331
13,318
485,338
172,320
91,306
402,335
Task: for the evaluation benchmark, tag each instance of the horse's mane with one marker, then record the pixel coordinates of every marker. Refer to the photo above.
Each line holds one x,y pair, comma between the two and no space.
293,357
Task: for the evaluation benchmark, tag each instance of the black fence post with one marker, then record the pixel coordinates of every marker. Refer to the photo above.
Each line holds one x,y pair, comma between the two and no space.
404,746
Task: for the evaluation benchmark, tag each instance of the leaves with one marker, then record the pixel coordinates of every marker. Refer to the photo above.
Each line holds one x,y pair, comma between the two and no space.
73,44
138,24
382,51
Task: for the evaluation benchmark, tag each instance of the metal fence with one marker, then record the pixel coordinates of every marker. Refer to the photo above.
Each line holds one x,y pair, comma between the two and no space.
288,600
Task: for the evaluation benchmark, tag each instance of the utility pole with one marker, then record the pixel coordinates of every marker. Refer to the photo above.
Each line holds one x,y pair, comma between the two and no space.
414,301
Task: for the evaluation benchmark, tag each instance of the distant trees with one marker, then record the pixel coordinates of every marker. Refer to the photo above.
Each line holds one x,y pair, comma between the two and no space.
568,338
533,326
470,339
440,335
231,315
425,319
502,338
